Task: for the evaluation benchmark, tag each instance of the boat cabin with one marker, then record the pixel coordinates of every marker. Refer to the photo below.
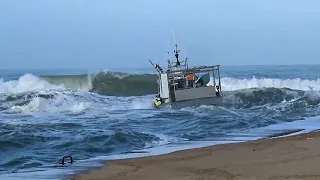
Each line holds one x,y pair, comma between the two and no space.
181,83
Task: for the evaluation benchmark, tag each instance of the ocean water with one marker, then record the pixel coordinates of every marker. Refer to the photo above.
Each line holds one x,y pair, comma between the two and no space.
95,116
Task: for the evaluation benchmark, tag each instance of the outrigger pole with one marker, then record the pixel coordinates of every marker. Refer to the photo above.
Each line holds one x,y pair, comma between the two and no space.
157,67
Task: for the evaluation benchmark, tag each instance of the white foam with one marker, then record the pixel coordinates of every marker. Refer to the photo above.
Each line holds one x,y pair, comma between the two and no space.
141,103
164,140
309,124
60,104
231,84
35,105
165,149
312,95
78,107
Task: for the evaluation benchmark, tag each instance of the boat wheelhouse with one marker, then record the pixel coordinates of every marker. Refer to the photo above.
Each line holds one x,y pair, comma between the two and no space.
182,86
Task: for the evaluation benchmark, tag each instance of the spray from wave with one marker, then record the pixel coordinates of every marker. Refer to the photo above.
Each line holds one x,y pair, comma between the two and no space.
25,83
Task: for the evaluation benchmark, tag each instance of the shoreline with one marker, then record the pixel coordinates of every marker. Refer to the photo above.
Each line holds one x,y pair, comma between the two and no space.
263,158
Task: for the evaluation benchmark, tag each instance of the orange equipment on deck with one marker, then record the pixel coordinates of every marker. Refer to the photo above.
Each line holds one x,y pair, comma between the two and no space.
190,77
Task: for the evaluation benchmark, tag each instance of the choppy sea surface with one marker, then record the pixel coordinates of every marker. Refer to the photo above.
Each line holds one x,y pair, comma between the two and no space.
95,116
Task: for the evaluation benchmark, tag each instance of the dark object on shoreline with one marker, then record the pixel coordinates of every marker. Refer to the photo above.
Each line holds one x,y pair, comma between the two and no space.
63,160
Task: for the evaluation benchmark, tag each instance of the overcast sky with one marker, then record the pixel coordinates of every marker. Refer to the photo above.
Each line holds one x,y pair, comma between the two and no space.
127,33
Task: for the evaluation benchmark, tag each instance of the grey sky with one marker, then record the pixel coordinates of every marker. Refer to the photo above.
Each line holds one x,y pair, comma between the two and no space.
113,34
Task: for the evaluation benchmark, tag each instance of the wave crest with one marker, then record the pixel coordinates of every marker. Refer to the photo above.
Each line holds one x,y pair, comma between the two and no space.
25,83
125,84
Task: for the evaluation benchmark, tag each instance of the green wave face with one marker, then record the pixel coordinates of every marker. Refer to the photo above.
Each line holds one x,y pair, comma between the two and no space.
77,82
109,83
121,84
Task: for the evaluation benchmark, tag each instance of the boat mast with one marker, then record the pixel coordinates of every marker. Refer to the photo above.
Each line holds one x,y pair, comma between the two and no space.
176,64
176,54
176,51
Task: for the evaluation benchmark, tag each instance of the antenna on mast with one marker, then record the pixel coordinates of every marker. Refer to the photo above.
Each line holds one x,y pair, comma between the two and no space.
174,38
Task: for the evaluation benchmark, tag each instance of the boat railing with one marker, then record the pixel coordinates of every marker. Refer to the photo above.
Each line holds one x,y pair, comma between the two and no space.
173,65
194,70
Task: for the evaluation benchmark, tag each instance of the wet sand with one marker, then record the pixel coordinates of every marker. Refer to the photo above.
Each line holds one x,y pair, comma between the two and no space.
288,158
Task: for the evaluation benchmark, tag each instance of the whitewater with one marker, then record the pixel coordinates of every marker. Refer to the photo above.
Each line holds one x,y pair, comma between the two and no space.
109,115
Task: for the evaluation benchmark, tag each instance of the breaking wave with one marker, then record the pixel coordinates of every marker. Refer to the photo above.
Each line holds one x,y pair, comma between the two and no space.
124,84
104,83
60,94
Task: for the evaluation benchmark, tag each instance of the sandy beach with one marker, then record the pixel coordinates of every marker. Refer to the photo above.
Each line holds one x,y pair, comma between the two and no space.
289,158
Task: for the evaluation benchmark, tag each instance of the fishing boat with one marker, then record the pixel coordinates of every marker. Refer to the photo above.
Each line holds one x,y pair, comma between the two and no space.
180,86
